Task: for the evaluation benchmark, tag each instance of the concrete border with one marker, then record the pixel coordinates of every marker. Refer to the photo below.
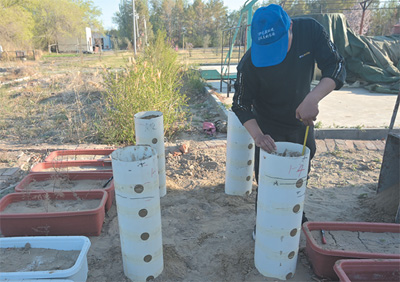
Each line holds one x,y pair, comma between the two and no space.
329,133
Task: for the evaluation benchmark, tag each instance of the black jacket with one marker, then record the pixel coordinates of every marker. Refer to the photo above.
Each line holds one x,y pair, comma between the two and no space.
272,94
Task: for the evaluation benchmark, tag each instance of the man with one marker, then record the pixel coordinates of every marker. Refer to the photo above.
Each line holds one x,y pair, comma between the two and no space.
272,90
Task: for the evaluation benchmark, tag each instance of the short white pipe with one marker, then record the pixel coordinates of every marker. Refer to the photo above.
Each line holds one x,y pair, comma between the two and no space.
239,158
149,130
281,191
138,207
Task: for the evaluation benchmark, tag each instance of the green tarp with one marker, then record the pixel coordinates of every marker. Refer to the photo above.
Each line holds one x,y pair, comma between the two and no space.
374,61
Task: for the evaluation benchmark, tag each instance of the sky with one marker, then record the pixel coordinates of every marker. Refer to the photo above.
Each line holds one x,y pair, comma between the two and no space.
109,7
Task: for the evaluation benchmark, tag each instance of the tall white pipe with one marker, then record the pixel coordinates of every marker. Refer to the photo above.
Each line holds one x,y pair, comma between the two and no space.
281,191
149,130
138,207
239,158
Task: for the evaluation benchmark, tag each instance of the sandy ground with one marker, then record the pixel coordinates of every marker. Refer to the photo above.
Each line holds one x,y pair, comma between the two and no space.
207,233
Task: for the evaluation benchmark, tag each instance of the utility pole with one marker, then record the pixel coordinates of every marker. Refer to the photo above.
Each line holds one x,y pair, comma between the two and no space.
134,26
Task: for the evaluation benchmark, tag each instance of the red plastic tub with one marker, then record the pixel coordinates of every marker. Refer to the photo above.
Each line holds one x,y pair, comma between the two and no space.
323,260
72,167
86,222
94,155
387,270
104,179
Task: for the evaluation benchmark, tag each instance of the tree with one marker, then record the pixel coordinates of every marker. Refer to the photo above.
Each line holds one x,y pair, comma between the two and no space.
54,19
124,19
15,33
384,18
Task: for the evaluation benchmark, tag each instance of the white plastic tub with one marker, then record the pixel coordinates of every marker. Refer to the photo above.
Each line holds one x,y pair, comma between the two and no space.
77,273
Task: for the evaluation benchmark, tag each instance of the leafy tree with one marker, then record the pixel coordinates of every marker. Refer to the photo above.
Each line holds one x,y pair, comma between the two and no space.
124,19
15,33
54,19
384,18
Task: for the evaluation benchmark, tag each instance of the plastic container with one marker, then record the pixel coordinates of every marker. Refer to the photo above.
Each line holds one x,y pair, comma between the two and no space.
106,179
94,155
387,270
324,260
85,222
72,167
77,273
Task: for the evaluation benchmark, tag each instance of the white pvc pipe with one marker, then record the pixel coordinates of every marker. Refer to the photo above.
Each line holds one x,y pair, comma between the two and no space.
281,191
239,158
149,130
138,207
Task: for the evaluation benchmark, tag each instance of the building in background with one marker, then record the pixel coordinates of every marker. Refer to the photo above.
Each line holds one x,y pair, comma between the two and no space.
101,42
74,44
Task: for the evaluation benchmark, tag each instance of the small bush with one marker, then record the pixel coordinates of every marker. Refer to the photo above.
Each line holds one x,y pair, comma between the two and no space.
152,83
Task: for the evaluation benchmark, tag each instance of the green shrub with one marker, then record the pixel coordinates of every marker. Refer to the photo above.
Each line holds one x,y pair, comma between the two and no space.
152,83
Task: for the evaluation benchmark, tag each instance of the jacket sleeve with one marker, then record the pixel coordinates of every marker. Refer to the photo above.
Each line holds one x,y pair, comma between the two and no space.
245,91
328,59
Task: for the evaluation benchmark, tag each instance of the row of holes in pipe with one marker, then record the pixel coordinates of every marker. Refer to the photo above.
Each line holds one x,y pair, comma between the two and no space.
145,236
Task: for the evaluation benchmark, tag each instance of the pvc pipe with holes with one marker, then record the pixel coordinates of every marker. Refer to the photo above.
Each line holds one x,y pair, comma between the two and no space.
138,208
149,130
239,158
281,191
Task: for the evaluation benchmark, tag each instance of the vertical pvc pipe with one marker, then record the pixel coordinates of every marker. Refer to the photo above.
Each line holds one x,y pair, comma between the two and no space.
281,191
239,158
149,130
138,207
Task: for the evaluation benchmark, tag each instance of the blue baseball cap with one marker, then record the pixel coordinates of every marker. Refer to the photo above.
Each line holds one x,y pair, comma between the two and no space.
269,34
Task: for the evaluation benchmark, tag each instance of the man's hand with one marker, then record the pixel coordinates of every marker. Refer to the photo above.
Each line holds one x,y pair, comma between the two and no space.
307,111
265,142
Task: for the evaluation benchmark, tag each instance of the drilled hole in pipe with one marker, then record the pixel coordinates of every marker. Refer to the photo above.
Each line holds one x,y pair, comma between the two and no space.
138,188
142,212
248,178
250,146
144,236
249,162
299,183
293,232
147,258
150,278
154,141
296,208
291,255
289,275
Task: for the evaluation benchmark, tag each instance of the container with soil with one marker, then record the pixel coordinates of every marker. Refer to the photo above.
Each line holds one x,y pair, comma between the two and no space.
40,258
352,270
349,240
71,182
72,167
52,213
94,155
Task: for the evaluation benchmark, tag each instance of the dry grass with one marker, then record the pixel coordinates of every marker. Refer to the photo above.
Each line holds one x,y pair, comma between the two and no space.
49,107
57,99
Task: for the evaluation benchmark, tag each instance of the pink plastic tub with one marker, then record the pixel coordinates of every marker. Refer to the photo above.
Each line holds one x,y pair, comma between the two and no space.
104,178
323,260
74,222
351,270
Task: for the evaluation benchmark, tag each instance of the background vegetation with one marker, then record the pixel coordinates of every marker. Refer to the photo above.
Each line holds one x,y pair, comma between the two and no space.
152,83
199,22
